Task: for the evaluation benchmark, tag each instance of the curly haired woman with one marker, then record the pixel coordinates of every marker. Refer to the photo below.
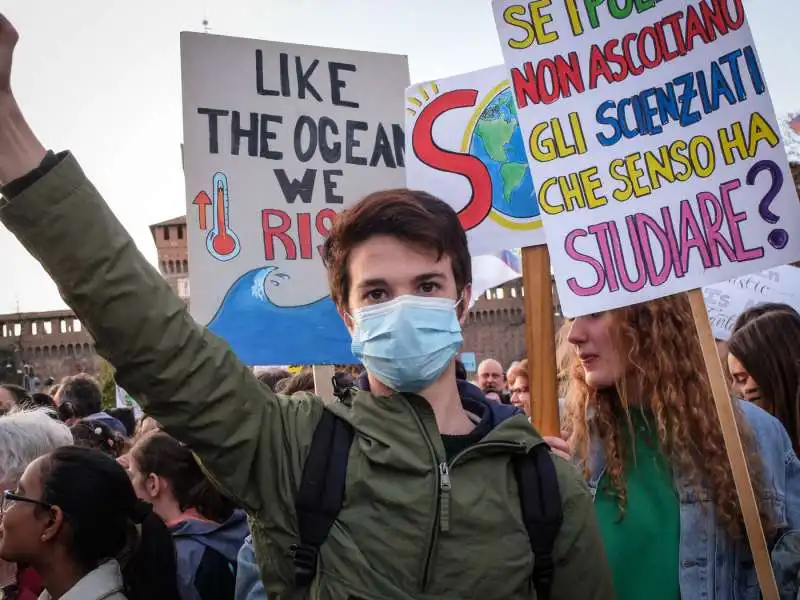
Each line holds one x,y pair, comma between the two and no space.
644,428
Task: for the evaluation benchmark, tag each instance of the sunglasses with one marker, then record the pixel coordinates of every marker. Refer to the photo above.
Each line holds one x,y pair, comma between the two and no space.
9,498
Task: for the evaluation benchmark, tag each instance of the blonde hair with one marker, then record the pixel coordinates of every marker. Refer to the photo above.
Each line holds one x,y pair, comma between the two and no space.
519,369
665,369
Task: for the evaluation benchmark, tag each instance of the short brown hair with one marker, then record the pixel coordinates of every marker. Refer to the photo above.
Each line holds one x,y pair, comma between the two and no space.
519,369
411,216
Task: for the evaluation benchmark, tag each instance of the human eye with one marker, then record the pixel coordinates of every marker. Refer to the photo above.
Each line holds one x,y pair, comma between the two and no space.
375,295
429,287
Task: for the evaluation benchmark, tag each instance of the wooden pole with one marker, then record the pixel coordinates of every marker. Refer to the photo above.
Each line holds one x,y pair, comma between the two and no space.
541,340
733,446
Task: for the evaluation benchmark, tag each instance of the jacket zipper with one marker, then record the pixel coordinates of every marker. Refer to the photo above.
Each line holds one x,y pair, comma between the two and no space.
442,481
445,485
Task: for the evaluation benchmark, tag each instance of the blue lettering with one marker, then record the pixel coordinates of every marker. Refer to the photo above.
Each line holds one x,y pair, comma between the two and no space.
603,119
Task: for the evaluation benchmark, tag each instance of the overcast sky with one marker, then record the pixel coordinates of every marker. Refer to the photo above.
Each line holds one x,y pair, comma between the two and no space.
102,78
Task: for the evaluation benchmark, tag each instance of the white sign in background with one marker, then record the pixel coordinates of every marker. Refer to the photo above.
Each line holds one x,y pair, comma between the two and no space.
278,138
638,236
725,301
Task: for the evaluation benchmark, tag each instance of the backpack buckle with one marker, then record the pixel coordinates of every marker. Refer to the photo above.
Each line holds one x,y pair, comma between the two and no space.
304,559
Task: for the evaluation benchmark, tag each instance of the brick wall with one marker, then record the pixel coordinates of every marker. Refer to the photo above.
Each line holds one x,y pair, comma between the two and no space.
54,343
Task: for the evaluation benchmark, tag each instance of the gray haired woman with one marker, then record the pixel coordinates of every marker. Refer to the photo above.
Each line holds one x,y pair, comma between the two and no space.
25,435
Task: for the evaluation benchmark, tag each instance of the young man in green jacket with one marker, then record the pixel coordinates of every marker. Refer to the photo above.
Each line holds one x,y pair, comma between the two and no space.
432,507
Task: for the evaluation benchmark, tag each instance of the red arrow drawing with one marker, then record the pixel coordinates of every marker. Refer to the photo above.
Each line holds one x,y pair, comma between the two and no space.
202,201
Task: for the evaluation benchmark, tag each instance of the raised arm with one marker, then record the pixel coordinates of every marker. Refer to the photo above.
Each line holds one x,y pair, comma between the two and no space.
184,376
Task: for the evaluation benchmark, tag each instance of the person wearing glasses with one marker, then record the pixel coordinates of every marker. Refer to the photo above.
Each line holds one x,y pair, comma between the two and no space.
75,518
25,435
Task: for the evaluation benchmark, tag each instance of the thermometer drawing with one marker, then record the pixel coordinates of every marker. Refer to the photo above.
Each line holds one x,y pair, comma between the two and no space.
222,243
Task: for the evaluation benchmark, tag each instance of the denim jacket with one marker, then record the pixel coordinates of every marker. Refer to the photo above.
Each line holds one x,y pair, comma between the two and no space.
712,566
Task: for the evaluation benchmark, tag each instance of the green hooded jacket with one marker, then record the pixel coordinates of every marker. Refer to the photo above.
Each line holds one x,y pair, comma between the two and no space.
399,535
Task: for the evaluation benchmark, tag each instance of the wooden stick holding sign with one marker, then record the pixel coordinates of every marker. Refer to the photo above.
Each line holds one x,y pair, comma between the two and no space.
734,448
323,382
540,338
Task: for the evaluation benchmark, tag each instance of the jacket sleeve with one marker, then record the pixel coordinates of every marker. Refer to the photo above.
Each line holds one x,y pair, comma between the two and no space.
581,566
249,439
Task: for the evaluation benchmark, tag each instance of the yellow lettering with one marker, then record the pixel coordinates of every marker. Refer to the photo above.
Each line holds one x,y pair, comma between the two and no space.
542,150
694,145
510,16
760,130
617,171
636,174
550,209
590,184
539,20
734,141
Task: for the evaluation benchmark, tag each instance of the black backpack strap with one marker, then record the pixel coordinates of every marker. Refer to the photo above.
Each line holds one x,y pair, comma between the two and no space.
542,512
321,492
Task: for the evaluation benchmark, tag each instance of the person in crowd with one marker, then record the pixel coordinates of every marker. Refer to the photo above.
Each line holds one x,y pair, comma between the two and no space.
92,433
42,400
764,362
271,376
75,518
11,397
491,377
125,416
248,577
66,413
518,382
645,429
397,257
25,435
83,394
302,381
207,529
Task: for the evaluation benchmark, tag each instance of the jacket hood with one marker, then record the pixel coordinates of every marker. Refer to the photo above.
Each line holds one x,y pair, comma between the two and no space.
226,538
473,399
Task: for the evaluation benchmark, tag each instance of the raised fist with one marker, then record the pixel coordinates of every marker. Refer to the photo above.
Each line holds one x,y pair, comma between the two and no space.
8,40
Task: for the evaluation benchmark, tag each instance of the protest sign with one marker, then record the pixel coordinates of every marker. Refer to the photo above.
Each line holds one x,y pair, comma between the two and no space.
659,167
464,145
279,138
727,300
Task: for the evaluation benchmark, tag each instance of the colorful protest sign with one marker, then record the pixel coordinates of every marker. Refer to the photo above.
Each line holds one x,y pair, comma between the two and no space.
279,138
650,130
727,300
464,145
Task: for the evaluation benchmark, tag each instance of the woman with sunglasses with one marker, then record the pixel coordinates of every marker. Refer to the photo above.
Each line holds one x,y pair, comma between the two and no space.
75,519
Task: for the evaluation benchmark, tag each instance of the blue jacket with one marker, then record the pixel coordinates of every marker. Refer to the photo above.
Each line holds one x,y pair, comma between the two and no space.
248,577
712,566
205,575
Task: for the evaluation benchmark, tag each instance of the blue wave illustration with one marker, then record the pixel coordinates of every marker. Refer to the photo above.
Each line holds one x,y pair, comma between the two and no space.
261,333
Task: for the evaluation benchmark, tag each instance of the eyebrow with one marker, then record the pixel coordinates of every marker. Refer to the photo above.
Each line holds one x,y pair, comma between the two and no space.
380,281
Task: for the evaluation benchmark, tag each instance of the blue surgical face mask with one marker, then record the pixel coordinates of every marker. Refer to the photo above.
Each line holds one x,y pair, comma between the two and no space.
407,343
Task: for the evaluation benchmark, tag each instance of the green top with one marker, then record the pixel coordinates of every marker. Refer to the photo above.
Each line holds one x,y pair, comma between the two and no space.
643,545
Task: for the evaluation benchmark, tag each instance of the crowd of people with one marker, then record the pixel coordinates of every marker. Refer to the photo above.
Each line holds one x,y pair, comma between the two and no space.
412,482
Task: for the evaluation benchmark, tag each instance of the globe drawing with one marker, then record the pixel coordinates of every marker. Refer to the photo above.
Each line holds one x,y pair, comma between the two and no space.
497,142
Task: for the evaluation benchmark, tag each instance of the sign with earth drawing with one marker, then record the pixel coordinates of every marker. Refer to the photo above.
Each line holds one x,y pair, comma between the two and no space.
464,145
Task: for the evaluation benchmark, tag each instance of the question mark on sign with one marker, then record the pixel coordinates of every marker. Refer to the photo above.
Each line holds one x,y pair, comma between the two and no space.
777,238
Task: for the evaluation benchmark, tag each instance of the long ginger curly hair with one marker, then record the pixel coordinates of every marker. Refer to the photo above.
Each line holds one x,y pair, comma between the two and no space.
665,368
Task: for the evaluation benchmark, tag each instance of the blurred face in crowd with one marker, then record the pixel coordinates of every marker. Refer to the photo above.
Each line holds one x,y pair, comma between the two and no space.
520,393
591,339
490,375
743,384
7,401
25,522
